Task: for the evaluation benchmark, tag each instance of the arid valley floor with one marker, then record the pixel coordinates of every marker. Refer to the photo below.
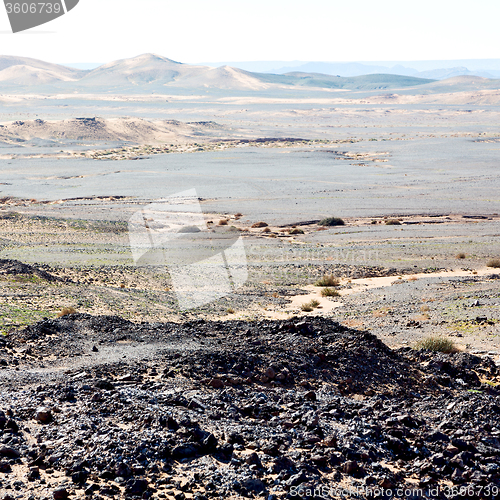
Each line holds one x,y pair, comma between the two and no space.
110,390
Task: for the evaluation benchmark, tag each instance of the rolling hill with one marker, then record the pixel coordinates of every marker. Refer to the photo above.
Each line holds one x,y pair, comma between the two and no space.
26,71
365,82
154,73
126,129
145,69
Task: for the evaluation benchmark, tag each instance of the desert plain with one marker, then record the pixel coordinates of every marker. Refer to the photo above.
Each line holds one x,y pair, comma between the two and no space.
311,378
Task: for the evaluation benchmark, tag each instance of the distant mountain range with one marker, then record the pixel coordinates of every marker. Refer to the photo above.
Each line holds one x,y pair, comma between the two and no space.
157,74
357,69
439,70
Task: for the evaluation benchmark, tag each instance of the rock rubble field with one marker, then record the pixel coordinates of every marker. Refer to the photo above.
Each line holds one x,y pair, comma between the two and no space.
100,407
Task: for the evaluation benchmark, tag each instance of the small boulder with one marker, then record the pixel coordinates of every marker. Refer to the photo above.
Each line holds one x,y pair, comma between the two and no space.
350,467
60,494
136,487
8,452
43,415
187,450
216,383
253,459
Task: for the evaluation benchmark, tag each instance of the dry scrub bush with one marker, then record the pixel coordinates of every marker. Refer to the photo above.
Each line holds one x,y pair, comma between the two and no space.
421,317
381,313
65,311
328,280
439,344
309,306
332,221
353,323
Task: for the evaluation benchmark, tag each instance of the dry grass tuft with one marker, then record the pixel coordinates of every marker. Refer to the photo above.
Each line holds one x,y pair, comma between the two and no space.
460,255
438,344
421,317
329,292
259,224
494,263
381,313
65,311
296,231
428,299
392,222
353,323
309,306
328,280
223,222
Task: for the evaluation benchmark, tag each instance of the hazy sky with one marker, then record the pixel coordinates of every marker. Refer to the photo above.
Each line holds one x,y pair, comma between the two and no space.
236,30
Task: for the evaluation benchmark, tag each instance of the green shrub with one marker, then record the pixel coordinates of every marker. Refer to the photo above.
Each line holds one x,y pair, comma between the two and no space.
332,221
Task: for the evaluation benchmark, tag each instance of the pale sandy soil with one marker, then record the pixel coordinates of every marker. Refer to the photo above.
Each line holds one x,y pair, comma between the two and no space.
358,286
